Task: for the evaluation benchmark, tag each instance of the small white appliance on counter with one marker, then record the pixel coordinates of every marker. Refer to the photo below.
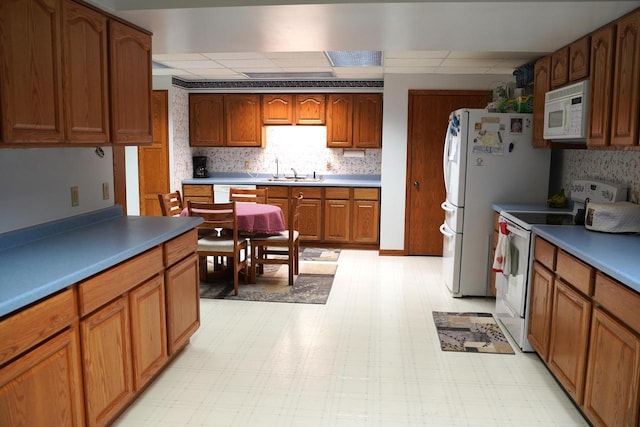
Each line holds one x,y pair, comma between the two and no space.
513,289
488,158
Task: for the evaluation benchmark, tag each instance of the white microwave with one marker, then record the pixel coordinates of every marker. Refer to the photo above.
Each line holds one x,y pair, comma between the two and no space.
565,113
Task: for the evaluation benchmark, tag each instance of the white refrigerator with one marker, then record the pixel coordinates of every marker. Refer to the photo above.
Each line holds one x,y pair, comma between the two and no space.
488,158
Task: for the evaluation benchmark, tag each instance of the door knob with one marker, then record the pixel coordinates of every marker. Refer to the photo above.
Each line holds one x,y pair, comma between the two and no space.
416,184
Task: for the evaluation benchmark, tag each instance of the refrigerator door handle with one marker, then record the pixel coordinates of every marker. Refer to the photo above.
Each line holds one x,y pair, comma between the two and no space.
445,158
448,207
445,232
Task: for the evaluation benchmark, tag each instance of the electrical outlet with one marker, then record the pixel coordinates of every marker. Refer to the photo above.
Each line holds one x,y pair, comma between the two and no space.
75,196
246,165
105,191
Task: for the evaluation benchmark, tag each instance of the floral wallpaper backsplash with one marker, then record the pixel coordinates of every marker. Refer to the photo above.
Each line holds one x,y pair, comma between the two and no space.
614,166
182,164
302,148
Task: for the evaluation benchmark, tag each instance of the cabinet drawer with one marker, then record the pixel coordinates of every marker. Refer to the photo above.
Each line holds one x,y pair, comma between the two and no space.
618,300
340,193
197,190
575,272
23,330
180,247
366,194
116,281
545,253
278,192
307,192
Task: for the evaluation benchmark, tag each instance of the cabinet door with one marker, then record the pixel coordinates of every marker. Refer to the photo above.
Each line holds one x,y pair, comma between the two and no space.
366,220
339,120
243,120
626,82
541,85
183,302
44,387
30,60
130,79
601,87
570,318
106,354
310,219
337,218
613,374
85,75
148,330
560,67
206,120
579,53
541,303
367,121
310,109
277,109
200,193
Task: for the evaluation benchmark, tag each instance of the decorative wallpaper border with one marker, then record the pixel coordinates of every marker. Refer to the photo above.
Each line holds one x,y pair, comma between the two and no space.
254,84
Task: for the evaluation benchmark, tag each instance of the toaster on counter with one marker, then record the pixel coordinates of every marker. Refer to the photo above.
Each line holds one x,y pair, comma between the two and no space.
619,217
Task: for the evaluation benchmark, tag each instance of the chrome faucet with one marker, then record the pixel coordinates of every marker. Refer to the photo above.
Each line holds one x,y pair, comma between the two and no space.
295,174
277,172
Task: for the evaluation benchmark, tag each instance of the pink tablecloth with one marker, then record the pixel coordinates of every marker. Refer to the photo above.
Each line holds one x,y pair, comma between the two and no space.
256,218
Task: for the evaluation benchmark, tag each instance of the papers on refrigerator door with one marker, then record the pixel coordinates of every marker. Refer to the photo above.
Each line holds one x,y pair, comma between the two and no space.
488,136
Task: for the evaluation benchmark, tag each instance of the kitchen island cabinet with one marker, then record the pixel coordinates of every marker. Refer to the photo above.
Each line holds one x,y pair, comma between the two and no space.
80,341
594,348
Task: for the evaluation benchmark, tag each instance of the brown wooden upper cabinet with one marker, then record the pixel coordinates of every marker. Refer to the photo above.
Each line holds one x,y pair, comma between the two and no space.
560,67
354,121
60,97
243,125
206,120
293,109
579,54
541,85
601,87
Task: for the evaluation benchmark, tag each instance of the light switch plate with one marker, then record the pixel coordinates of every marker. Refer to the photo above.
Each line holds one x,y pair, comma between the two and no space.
105,191
75,196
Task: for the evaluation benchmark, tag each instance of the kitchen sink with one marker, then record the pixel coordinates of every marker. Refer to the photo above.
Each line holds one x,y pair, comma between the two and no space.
293,179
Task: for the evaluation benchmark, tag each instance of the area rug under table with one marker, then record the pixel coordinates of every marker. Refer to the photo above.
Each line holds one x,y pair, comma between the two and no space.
319,254
470,332
311,286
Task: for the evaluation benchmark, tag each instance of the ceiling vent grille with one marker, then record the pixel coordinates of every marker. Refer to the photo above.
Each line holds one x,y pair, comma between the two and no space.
355,58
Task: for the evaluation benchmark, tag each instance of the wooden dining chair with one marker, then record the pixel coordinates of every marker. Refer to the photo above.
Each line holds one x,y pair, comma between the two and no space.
257,195
282,248
171,203
225,240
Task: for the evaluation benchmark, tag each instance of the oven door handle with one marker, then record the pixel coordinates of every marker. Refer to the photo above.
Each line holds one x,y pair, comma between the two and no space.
517,231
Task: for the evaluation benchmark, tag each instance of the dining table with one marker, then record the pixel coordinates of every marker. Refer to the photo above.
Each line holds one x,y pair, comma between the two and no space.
256,218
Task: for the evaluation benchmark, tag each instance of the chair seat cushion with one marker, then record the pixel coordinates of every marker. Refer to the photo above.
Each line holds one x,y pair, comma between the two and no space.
217,244
283,236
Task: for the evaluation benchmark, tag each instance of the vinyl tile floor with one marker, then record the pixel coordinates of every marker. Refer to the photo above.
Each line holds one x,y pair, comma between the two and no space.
369,357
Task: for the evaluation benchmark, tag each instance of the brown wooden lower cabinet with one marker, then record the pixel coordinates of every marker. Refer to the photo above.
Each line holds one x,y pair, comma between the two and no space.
200,193
89,350
594,343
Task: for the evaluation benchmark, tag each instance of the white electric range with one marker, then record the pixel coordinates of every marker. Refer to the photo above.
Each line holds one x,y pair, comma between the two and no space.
512,286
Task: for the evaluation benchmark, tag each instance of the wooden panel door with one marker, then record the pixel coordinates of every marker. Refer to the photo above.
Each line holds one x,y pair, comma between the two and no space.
30,60
206,120
540,309
541,85
85,75
339,120
310,109
560,67
337,218
130,80
367,120
243,120
148,330
601,87
570,320
106,353
44,387
183,302
277,109
153,160
626,82
428,116
613,375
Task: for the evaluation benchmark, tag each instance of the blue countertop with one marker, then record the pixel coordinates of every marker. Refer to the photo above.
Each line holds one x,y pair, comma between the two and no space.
617,255
39,261
263,179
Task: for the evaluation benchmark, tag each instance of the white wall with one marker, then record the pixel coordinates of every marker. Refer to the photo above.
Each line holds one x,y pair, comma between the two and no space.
36,184
394,142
